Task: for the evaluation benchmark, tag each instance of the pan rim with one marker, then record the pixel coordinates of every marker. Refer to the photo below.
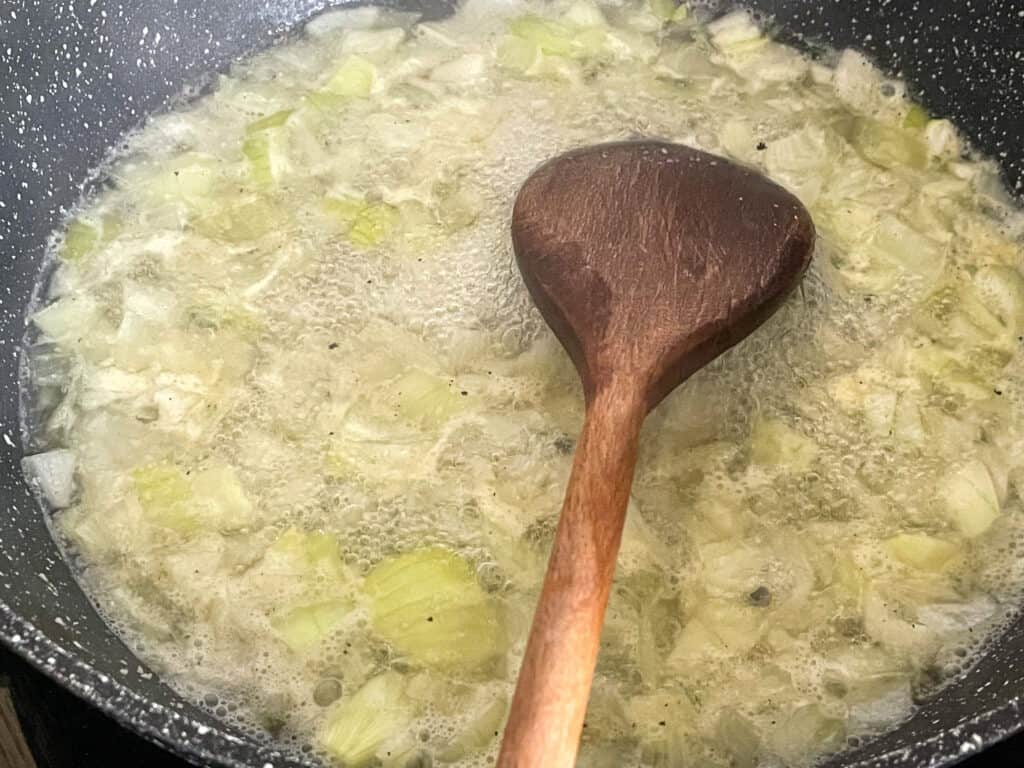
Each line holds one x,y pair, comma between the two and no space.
947,748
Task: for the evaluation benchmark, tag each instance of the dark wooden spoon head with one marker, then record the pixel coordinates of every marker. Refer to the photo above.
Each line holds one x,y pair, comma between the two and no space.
649,259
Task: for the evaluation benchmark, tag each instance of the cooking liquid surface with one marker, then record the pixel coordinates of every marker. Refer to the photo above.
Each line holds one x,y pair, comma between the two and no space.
320,435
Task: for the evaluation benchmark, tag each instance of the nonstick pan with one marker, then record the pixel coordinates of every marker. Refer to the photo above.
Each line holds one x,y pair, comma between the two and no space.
76,75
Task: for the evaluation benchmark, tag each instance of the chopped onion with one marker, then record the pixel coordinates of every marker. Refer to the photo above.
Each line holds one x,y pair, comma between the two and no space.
335,19
358,726
53,474
372,41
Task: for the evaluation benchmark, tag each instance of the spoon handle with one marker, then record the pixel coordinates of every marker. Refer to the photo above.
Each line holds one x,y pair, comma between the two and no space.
550,702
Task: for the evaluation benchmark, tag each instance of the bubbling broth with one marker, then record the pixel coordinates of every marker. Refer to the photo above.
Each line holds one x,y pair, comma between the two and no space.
306,437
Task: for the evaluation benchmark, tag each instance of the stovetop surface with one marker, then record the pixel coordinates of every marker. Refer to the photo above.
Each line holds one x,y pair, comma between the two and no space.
63,732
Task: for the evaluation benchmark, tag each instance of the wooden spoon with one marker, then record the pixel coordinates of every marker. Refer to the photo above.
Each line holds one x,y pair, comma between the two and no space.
647,260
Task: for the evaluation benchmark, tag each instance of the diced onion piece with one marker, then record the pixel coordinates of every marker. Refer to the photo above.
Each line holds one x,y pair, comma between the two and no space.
732,569
554,38
333,19
373,224
971,499
215,310
803,160
720,627
857,83
889,147
770,65
149,303
478,733
165,495
848,580
946,369
220,495
212,498
663,719
273,120
394,133
943,139
949,619
860,667
244,221
458,208
695,643
821,74
1001,289
736,29
107,385
736,736
465,69
722,511
354,78
898,244
53,473
879,702
885,625
430,607
806,731
551,37
373,449
85,235
67,319
310,557
330,21
174,405
373,41
355,728
916,118
774,443
369,224
921,551
908,424
520,55
879,411
583,13
737,137
345,207
266,156
191,178
670,10
425,399
80,239
306,627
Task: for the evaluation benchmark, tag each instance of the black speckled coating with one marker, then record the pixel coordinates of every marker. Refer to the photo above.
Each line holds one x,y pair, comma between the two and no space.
76,75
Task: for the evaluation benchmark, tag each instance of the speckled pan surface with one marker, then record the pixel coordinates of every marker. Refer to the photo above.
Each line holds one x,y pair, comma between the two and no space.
75,75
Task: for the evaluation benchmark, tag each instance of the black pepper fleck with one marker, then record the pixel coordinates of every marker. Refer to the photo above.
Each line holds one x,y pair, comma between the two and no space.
564,444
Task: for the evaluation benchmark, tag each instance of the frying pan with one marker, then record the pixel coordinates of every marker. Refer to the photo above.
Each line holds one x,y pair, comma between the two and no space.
76,75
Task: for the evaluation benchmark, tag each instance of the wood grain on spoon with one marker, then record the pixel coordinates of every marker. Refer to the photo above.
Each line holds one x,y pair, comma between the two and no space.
647,260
